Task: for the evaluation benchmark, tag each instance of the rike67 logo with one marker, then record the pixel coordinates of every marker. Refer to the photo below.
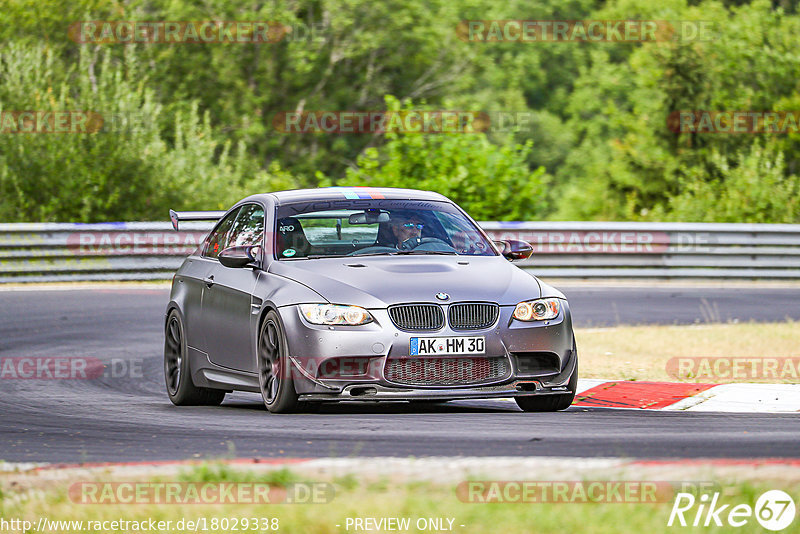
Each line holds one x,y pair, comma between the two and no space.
774,510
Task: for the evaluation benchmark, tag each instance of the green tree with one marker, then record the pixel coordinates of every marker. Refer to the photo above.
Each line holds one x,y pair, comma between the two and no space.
490,182
125,171
754,188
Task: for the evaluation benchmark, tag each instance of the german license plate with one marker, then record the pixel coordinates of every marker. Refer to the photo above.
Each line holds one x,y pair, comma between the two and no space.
423,346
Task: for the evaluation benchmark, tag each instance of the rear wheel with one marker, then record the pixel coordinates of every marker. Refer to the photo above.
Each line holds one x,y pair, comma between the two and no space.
180,388
551,403
274,371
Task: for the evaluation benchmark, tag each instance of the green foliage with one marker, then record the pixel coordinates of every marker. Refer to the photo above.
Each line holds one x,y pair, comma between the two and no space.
598,146
628,165
755,188
494,182
222,472
348,482
127,170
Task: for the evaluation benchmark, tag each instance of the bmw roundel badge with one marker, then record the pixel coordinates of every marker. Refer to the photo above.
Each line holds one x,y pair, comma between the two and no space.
442,296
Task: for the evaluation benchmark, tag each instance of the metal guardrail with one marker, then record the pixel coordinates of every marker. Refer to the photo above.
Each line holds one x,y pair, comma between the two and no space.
657,250
47,252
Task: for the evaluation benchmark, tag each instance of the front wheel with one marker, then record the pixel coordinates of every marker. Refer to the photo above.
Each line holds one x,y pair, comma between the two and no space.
274,371
551,403
180,388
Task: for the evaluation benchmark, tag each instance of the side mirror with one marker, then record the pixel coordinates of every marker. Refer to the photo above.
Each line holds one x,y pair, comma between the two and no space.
513,250
237,257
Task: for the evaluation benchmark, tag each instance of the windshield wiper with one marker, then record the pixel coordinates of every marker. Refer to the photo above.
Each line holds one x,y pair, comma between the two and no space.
370,254
396,253
434,252
318,256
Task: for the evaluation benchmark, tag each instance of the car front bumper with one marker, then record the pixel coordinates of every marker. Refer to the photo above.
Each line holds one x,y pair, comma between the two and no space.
335,363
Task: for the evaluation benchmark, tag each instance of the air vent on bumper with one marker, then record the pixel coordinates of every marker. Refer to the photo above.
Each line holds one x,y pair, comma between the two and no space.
446,371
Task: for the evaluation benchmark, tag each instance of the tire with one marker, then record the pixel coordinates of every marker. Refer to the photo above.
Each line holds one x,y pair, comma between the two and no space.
274,371
550,403
178,378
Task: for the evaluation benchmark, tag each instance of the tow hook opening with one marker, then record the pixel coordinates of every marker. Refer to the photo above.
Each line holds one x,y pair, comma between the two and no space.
363,391
526,386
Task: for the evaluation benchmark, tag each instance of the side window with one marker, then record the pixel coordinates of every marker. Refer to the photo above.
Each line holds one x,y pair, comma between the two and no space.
248,228
219,237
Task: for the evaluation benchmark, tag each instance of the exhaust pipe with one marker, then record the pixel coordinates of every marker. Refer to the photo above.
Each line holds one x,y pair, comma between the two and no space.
530,385
363,391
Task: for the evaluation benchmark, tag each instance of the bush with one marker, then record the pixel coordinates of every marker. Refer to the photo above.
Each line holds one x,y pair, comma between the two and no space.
145,162
490,182
753,188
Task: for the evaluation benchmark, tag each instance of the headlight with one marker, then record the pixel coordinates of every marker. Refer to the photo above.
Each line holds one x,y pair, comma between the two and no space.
334,314
537,310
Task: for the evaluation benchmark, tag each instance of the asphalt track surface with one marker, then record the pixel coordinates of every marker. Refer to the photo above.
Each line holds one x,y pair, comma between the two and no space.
129,418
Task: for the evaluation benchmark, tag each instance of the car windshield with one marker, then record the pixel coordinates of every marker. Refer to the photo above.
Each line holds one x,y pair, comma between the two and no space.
376,227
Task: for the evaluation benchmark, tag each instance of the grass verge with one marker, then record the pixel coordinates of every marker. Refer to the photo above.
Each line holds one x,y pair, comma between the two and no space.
642,352
416,501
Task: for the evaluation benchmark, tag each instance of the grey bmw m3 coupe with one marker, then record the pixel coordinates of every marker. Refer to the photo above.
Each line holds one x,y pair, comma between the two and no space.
362,294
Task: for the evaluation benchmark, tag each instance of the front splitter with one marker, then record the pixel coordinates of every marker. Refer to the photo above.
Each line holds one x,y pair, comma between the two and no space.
377,392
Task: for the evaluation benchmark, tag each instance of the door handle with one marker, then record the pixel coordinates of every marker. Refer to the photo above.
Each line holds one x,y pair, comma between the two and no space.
209,280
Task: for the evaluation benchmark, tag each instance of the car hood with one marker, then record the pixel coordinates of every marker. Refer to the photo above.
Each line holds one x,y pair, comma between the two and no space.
380,281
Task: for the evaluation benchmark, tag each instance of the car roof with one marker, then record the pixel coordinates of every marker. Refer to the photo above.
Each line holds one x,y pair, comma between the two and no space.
342,193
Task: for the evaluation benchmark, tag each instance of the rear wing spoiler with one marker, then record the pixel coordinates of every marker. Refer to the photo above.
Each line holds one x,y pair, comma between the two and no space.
178,216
